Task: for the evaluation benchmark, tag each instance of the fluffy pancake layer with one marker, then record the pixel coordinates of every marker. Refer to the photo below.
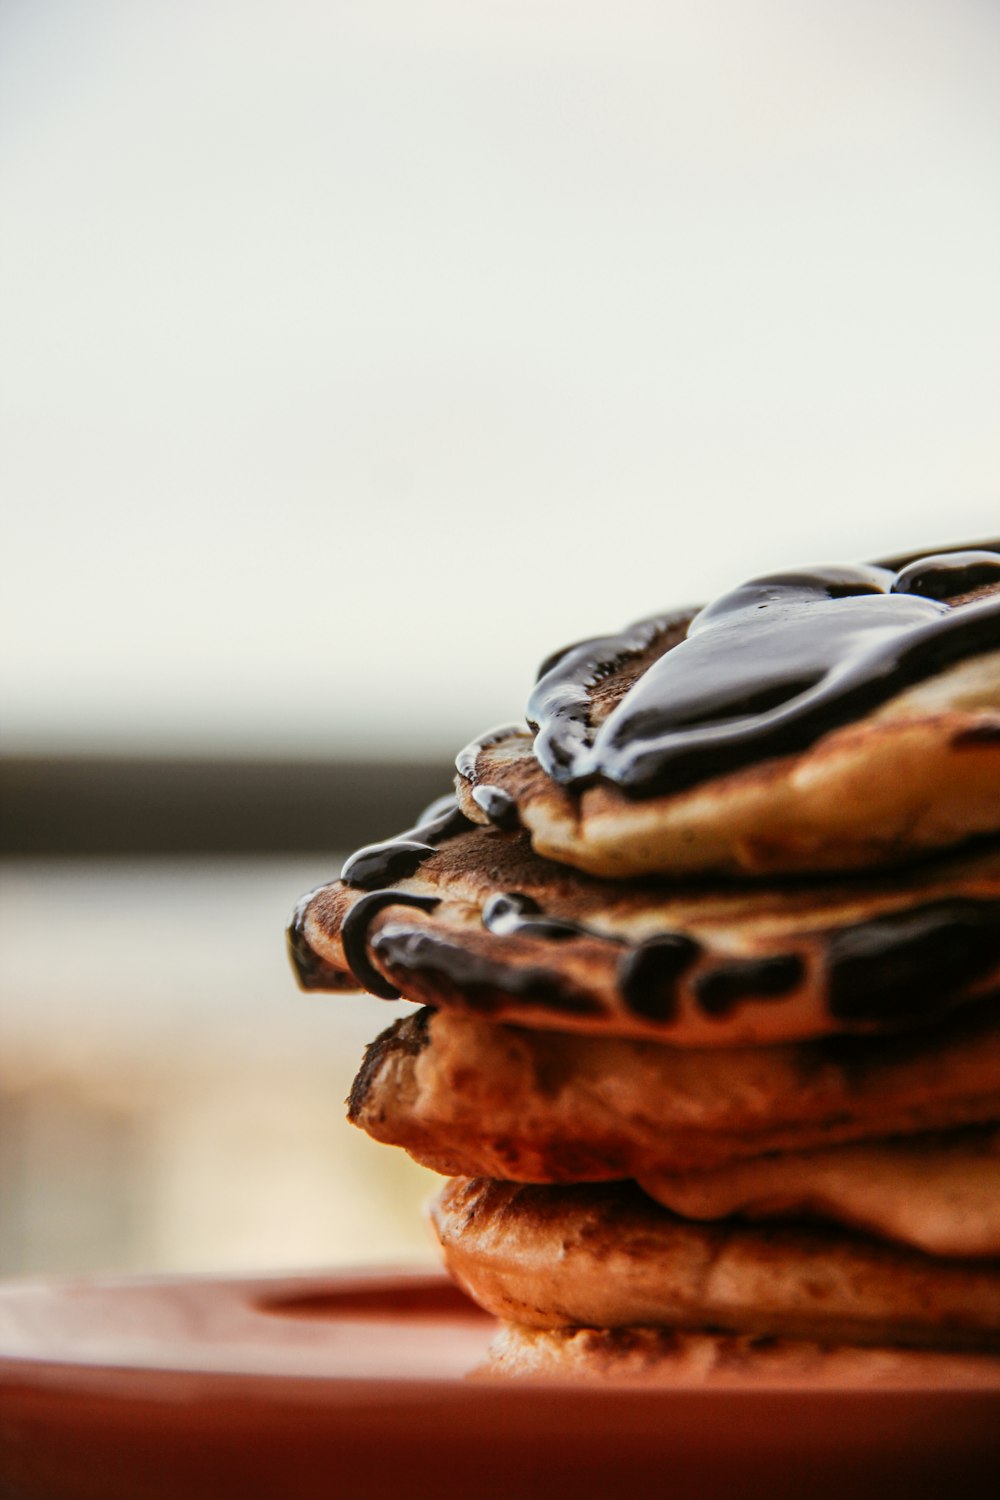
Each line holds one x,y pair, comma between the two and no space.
939,1193
470,1097
607,1257
482,924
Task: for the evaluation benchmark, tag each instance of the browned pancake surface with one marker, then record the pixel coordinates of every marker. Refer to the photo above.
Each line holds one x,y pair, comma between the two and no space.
469,1096
607,1257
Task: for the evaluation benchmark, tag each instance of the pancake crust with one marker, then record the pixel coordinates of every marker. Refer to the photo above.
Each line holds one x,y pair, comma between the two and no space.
607,1257
485,925
466,1096
681,1360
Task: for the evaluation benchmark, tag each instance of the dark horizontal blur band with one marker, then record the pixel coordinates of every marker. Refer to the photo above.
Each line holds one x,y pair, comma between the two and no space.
98,806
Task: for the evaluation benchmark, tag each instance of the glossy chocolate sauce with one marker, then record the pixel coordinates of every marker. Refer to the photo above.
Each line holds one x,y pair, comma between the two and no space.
374,868
498,805
512,912
354,936
900,967
949,575
889,971
648,974
724,988
483,983
566,677
764,671
378,865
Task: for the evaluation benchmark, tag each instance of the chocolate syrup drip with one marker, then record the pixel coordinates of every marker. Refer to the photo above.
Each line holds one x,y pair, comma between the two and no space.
498,805
354,936
564,680
648,974
465,761
483,983
902,560
311,971
728,985
395,859
512,912
764,671
949,574
903,967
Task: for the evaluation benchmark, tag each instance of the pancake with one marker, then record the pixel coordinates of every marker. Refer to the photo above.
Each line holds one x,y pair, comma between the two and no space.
470,1097
675,1360
938,1193
608,1257
843,718
470,918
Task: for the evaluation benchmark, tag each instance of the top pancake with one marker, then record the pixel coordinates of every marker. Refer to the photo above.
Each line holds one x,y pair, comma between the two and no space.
835,719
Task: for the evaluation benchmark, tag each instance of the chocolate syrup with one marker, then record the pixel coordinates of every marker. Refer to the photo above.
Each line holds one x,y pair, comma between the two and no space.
764,671
892,970
498,805
648,974
354,936
512,912
904,966
484,983
378,865
570,673
949,574
723,989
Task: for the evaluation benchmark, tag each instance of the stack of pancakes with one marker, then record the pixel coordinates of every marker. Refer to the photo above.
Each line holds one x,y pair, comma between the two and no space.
709,956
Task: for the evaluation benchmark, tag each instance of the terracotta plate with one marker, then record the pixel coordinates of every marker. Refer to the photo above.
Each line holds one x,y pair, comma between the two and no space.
357,1385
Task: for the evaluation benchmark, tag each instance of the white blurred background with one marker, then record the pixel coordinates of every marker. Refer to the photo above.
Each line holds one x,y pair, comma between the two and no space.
354,356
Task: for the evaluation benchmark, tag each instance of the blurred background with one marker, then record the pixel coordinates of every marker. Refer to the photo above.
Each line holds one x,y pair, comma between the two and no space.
352,358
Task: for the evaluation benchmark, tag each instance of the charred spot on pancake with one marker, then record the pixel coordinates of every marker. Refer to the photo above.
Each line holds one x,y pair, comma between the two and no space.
480,984
904,965
407,1037
648,974
722,989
